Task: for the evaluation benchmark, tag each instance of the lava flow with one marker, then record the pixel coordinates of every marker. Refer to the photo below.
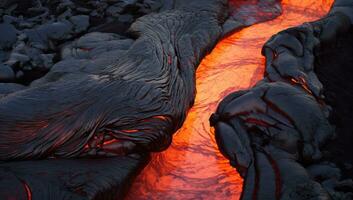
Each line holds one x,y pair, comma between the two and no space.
192,167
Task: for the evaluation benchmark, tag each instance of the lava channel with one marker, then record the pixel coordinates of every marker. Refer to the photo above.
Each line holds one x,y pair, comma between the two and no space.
192,167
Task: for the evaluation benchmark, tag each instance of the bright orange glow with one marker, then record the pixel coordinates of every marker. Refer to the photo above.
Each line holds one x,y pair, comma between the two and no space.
130,131
192,167
110,142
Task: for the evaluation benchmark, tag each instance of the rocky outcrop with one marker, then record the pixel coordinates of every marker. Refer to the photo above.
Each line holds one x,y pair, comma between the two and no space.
32,32
83,127
275,133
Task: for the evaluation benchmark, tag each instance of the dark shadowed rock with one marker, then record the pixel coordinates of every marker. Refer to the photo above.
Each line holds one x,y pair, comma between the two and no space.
334,68
80,22
8,36
108,99
142,72
8,88
19,74
56,30
59,179
275,133
6,73
114,10
126,18
17,59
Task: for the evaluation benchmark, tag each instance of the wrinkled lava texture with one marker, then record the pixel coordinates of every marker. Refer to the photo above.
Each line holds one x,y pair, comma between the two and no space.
276,133
192,166
112,97
99,97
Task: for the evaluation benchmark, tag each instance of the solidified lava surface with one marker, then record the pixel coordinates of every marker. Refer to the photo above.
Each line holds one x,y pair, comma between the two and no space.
192,167
334,69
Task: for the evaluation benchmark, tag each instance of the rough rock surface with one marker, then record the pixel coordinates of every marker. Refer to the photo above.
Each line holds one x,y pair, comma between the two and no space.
108,178
108,97
32,31
334,68
115,93
275,133
152,75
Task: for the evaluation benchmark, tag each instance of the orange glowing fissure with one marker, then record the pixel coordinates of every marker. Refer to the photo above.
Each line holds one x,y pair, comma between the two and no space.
192,167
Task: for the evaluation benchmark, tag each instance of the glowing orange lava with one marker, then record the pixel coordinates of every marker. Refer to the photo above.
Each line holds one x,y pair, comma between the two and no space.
192,167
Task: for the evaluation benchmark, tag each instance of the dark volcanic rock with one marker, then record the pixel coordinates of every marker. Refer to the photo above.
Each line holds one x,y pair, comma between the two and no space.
126,63
245,14
107,100
45,26
135,74
8,88
90,54
6,73
275,133
109,96
55,31
80,22
58,179
334,68
8,36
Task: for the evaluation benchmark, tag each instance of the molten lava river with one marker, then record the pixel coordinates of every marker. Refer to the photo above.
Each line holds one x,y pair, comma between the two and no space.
192,167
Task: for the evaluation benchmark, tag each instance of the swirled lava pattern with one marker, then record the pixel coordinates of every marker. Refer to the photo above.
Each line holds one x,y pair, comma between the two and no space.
192,167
